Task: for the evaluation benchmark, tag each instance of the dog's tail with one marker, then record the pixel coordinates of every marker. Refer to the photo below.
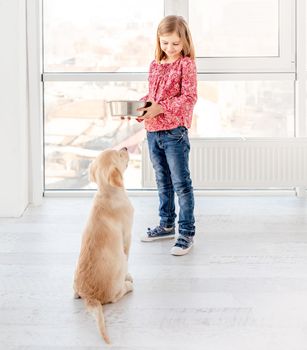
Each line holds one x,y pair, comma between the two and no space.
96,308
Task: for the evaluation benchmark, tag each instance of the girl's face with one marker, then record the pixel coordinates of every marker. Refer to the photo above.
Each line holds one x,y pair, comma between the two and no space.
171,45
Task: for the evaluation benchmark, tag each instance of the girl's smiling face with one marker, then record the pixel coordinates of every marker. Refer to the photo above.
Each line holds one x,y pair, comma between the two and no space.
171,45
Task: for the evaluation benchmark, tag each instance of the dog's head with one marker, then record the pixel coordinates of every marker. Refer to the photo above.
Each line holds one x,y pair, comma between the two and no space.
108,168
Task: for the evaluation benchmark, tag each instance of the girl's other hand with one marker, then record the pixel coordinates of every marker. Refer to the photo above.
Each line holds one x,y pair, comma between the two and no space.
151,111
139,119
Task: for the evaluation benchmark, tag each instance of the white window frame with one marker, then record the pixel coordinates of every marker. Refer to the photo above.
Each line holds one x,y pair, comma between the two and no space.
301,70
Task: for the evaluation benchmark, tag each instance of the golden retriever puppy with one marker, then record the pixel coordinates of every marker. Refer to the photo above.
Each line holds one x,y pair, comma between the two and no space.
102,271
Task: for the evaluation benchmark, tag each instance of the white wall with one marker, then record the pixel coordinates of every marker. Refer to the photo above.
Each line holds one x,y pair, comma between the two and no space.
14,155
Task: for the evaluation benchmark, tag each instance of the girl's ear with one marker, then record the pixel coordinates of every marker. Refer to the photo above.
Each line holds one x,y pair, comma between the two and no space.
115,178
92,171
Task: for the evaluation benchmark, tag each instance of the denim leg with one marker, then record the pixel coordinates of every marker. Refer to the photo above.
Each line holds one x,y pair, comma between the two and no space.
177,149
163,179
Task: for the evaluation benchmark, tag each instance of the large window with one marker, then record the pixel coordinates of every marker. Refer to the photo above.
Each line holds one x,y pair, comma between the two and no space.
97,50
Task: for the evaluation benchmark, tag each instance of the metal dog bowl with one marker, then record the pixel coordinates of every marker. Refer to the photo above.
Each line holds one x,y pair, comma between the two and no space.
127,108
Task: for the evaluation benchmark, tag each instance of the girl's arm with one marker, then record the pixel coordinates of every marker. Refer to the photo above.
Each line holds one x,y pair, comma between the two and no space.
180,104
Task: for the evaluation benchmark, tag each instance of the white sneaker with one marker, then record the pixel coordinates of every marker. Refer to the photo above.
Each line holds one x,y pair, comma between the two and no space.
182,246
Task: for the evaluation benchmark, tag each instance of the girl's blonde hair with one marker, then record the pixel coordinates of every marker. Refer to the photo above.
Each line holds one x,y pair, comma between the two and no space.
178,25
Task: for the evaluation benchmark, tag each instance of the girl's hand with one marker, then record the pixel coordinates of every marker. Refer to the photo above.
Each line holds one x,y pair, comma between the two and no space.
151,111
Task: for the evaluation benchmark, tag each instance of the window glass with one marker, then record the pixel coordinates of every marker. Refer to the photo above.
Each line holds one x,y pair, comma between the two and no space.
78,126
235,28
244,109
100,35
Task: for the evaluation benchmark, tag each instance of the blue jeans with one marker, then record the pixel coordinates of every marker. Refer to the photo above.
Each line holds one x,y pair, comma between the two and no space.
169,153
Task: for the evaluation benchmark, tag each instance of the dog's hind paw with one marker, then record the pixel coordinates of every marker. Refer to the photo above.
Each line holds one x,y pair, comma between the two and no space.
129,277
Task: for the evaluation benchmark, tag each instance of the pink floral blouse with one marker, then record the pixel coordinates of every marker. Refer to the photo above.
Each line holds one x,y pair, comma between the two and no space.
174,87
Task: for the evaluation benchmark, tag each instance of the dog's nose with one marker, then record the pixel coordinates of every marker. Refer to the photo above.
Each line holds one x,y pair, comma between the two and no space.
124,149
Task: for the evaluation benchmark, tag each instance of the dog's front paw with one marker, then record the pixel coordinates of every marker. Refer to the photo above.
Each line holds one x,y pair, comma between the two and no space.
76,295
129,277
129,286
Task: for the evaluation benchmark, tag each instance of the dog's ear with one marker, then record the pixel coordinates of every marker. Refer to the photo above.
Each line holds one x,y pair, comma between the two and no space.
116,178
92,171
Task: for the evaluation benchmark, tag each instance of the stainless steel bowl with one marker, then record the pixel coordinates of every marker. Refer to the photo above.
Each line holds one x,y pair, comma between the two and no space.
126,108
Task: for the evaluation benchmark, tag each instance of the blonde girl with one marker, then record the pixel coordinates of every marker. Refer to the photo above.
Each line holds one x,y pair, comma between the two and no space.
172,95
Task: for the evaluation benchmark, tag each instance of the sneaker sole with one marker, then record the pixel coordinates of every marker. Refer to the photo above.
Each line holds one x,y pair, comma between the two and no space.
150,239
179,251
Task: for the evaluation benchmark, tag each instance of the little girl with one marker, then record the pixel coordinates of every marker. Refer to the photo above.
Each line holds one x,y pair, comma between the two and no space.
173,94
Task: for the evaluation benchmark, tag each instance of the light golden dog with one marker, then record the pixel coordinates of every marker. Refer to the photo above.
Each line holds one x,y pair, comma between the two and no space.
102,271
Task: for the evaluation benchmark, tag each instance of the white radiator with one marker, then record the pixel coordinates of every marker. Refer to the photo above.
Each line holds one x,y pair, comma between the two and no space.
241,163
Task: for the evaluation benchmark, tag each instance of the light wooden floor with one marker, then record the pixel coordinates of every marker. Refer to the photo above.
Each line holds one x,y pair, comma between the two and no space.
243,286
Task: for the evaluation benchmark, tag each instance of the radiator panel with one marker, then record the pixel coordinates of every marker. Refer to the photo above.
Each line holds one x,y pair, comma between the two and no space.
252,163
